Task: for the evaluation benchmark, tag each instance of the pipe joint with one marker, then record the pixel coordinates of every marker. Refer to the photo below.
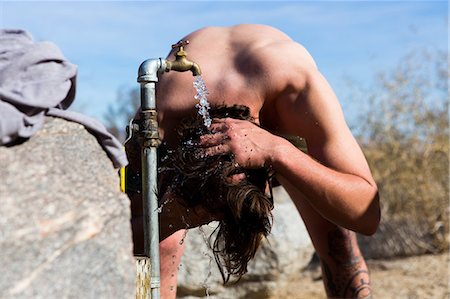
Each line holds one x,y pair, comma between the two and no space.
149,70
149,135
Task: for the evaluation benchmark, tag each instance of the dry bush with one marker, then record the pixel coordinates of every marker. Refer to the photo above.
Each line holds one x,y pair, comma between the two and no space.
405,137
121,111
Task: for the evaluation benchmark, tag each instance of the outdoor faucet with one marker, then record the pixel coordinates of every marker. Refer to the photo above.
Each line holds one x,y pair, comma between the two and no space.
181,63
148,136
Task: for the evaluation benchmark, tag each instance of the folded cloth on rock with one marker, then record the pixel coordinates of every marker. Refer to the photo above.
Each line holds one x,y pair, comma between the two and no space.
36,81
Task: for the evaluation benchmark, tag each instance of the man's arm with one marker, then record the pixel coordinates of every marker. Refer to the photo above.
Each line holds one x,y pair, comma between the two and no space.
334,176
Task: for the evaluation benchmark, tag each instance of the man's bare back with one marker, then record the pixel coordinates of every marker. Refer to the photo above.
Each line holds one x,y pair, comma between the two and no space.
332,187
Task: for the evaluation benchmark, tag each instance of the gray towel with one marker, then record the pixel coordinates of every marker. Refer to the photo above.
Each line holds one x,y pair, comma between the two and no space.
37,80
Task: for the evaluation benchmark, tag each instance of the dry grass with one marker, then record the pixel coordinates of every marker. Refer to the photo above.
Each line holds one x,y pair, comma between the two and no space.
405,138
416,277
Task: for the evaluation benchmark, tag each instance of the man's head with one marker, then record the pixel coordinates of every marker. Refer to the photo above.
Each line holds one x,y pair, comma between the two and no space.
243,206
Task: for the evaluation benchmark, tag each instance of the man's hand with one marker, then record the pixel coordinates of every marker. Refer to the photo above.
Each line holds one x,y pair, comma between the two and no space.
251,146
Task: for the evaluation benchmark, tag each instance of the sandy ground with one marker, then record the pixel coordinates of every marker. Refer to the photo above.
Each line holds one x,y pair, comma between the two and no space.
419,277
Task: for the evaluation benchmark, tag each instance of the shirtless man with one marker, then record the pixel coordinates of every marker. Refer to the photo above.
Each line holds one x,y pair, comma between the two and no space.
331,186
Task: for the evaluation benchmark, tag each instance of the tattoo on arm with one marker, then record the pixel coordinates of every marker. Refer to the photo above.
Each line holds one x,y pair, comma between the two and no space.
345,273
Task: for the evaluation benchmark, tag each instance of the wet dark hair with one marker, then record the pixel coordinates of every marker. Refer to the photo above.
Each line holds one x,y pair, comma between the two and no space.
202,180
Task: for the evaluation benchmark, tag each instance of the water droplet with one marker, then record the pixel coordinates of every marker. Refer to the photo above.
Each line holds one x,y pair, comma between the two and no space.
183,237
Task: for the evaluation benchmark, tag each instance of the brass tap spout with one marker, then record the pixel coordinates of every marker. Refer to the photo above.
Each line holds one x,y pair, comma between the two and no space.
181,63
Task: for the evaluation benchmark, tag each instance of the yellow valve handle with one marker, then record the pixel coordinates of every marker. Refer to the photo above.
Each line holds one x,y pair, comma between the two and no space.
122,169
122,179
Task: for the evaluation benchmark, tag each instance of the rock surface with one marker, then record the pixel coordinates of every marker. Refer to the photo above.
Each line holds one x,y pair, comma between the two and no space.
400,238
64,225
287,250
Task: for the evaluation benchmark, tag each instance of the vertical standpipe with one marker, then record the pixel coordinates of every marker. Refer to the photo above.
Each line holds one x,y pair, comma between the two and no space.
149,140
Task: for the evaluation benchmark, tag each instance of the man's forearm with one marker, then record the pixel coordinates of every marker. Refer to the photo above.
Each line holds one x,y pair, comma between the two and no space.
345,274
345,199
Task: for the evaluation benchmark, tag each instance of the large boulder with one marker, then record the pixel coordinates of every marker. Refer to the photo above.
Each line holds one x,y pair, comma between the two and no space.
404,237
285,253
64,225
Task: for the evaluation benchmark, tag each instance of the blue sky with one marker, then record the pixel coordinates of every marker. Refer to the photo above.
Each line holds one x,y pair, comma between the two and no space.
109,39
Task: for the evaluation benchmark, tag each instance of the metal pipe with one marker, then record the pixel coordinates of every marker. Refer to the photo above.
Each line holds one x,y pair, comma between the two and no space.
147,77
149,139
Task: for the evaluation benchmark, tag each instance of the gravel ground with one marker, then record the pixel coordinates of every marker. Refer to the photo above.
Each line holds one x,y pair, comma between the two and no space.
418,277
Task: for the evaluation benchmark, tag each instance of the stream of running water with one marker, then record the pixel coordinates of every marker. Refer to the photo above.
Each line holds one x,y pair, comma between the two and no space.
203,109
202,96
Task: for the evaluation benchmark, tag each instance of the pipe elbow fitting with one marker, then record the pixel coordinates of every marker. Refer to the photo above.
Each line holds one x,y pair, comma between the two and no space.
149,70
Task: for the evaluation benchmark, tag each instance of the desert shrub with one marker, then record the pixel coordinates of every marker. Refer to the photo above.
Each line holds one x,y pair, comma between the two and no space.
405,136
121,111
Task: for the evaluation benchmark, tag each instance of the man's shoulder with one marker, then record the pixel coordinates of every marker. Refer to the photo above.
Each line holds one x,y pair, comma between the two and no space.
286,65
287,54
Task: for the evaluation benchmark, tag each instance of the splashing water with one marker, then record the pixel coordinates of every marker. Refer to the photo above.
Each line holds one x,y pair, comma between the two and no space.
160,208
202,96
208,255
